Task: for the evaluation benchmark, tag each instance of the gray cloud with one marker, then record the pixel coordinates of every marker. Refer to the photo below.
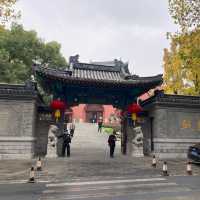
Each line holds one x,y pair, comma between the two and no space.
104,29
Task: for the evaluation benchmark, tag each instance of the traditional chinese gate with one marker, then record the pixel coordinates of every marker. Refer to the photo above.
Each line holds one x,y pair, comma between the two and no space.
96,84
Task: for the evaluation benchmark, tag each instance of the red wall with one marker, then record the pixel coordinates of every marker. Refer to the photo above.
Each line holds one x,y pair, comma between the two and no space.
79,113
108,110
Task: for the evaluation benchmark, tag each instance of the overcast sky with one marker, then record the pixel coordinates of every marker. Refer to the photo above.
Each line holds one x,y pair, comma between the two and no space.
101,30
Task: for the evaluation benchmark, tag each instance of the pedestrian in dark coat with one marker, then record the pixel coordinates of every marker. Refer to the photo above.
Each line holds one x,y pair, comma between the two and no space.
66,143
111,142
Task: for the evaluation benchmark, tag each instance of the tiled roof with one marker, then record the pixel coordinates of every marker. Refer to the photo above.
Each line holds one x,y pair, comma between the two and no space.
172,100
11,90
96,73
87,83
96,67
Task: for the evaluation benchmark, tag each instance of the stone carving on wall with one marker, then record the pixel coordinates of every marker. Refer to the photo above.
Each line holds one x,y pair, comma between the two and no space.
137,142
52,142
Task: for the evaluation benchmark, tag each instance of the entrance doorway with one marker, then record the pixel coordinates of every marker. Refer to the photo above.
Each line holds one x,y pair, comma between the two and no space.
93,112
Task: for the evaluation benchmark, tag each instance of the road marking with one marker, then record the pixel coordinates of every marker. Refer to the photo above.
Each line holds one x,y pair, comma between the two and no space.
145,185
113,193
104,182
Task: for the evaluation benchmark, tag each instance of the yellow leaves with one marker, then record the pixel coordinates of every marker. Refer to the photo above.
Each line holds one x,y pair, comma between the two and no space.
7,11
182,60
186,13
7,3
182,64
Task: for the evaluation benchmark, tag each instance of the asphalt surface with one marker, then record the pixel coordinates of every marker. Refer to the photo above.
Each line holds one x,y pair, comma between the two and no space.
91,174
170,188
22,191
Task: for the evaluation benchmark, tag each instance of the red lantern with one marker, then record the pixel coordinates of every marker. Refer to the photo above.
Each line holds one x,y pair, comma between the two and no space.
134,108
58,105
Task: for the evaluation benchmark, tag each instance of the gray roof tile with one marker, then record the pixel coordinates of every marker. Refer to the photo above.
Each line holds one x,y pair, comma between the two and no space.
89,72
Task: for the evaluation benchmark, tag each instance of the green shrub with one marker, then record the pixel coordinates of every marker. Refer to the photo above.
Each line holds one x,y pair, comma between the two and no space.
107,130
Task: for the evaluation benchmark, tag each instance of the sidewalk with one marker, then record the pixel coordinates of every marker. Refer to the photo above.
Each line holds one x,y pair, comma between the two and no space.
80,168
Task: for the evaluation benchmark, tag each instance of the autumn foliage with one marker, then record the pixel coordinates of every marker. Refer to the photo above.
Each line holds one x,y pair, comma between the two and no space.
182,60
7,11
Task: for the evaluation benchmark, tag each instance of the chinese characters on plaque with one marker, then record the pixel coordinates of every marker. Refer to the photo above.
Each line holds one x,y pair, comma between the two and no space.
187,124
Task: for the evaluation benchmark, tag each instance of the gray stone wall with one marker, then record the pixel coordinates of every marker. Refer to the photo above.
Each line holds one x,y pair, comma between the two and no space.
16,147
42,127
175,129
17,128
146,129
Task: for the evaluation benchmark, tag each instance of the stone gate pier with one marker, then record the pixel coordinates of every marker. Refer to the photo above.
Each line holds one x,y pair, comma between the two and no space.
18,104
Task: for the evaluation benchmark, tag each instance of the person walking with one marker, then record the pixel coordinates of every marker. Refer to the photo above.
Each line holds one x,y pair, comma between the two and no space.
111,142
71,129
66,142
100,123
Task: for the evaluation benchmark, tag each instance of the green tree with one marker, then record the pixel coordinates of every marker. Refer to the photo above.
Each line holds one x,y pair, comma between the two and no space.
51,55
19,49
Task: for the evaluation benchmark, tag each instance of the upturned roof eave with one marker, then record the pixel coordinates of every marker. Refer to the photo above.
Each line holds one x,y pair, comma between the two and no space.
112,82
69,78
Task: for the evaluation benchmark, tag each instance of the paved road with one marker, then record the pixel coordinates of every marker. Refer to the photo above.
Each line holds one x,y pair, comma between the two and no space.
171,188
21,191
176,188
91,174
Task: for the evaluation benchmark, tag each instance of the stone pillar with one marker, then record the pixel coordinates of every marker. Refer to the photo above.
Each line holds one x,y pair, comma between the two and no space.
123,135
60,125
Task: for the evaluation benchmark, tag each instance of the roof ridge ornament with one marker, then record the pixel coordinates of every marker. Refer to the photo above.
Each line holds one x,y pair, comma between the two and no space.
74,59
